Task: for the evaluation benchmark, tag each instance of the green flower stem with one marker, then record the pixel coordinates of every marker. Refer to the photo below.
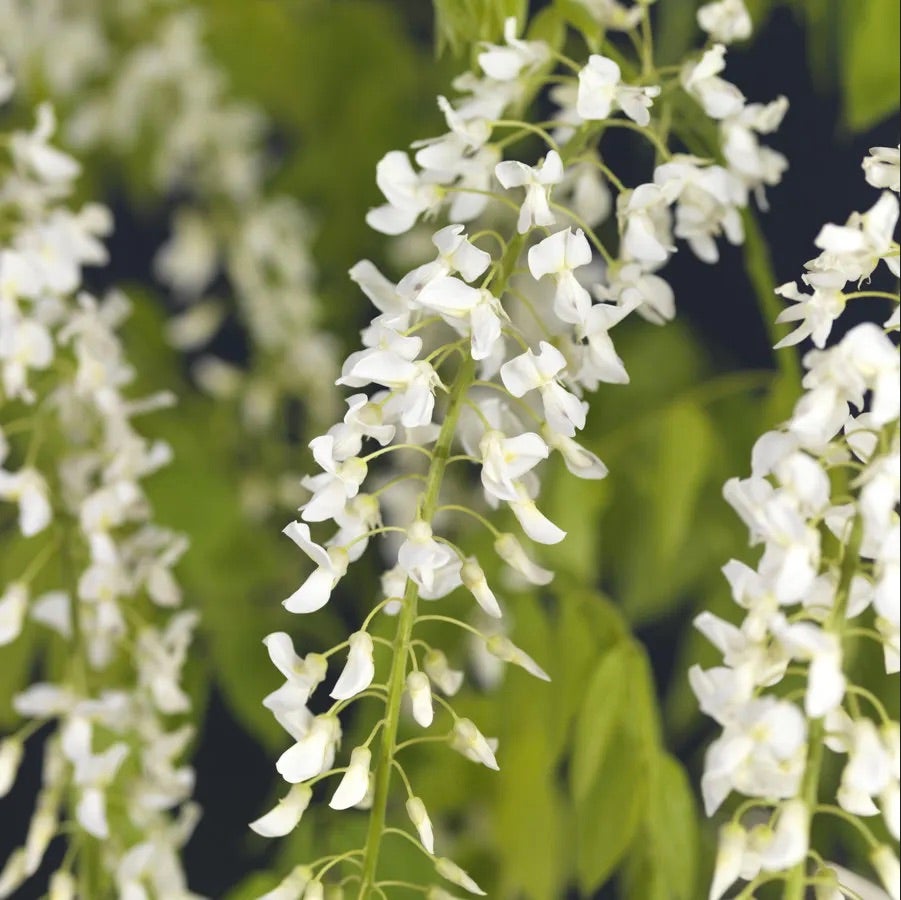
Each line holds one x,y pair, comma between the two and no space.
797,878
407,618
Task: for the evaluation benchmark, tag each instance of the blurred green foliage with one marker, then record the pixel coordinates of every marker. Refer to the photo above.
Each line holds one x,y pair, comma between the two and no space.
590,788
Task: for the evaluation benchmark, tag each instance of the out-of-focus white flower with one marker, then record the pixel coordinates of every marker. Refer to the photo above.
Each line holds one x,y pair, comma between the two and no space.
726,21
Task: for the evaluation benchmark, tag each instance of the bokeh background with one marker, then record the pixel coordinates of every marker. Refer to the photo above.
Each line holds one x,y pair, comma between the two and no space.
341,82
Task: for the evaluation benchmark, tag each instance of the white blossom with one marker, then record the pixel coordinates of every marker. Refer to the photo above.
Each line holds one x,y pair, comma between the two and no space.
537,181
601,91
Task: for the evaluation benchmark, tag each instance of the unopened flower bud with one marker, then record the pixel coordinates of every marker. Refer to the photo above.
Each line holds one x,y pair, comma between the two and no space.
292,887
729,857
468,740
886,865
474,579
420,818
453,873
13,873
62,886
437,668
315,891
11,751
420,692
502,647
511,552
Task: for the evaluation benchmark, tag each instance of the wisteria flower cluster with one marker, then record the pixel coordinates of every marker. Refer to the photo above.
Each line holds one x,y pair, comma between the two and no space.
97,596
483,357
163,103
822,500
578,153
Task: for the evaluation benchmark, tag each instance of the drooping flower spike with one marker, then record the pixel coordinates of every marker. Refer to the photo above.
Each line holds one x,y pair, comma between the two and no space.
822,501
485,355
98,595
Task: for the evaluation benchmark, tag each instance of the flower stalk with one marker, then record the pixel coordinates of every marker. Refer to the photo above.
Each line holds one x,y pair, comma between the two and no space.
404,634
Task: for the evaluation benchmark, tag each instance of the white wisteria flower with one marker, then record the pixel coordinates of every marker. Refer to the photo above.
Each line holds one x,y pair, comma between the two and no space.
601,91
537,180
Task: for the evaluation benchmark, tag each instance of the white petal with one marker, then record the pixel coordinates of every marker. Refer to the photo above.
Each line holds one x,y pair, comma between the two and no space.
292,887
35,512
54,610
474,579
790,839
281,652
512,173
511,552
11,751
548,256
449,295
520,374
420,818
825,686
420,691
885,862
468,740
355,783
359,670
729,858
299,532
453,873
13,606
313,594
534,523
439,671
91,812
503,648
390,220
283,818
311,755
551,170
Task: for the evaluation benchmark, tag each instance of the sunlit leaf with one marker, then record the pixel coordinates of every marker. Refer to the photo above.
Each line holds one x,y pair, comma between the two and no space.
871,69
663,863
602,709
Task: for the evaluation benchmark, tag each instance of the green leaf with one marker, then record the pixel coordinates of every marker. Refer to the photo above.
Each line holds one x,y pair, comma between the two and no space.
871,70
675,32
577,15
588,625
664,862
759,268
576,505
548,26
15,671
600,714
609,813
608,818
686,444
529,812
656,523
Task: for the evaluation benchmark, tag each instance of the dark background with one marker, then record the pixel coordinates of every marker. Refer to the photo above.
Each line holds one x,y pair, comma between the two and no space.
823,184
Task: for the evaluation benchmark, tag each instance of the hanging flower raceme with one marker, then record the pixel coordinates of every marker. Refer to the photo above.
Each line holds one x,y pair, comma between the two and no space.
481,357
99,581
162,105
822,500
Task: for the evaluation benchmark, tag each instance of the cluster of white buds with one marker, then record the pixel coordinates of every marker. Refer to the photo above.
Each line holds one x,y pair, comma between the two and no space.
98,585
163,105
822,499
480,357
